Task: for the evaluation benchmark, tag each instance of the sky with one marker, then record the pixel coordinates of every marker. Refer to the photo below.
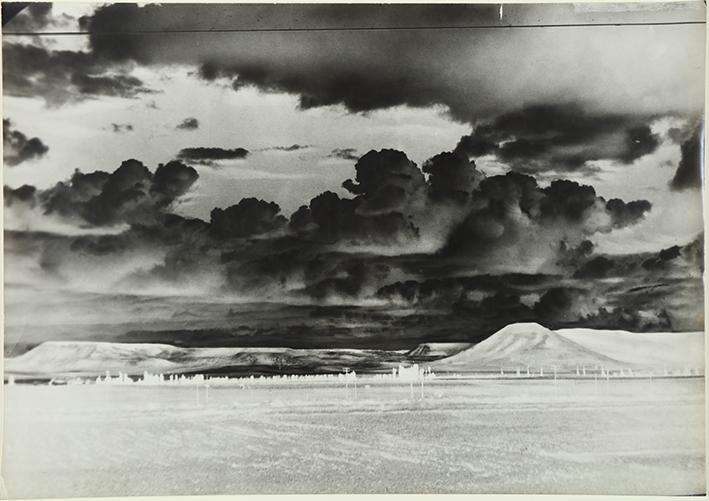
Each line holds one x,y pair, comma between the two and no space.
328,155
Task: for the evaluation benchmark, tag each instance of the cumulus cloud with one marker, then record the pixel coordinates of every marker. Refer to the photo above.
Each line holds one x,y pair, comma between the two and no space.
689,170
23,194
452,177
560,137
385,181
189,123
626,214
130,194
512,213
394,209
249,217
18,148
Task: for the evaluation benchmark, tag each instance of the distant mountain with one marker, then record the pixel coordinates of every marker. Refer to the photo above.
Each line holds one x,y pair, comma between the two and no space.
523,345
516,346
86,358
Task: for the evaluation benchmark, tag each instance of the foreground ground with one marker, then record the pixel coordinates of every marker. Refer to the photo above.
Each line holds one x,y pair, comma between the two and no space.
484,436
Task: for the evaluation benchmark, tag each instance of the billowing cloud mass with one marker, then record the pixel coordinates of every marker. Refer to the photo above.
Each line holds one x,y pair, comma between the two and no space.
483,251
689,170
505,227
249,217
207,156
189,123
397,225
18,148
452,177
512,211
561,137
131,194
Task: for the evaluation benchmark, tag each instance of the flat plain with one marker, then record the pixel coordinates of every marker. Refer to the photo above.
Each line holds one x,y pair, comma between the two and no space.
624,436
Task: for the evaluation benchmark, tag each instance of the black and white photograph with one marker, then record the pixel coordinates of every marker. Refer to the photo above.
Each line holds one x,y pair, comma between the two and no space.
330,248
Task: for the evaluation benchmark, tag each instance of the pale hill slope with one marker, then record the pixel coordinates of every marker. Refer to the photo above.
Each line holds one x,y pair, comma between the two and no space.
655,349
530,344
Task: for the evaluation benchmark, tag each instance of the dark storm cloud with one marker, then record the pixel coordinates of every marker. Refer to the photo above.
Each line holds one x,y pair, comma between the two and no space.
170,181
190,123
315,79
477,144
344,154
626,214
583,263
69,198
689,170
24,194
61,76
389,189
559,304
663,258
646,291
330,219
249,217
208,156
450,67
108,85
18,148
447,290
580,306
389,192
598,267
386,181
635,299
34,17
452,177
560,137
348,277
639,141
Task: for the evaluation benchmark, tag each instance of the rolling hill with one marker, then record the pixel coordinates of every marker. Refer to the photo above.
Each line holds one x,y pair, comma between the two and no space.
85,358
